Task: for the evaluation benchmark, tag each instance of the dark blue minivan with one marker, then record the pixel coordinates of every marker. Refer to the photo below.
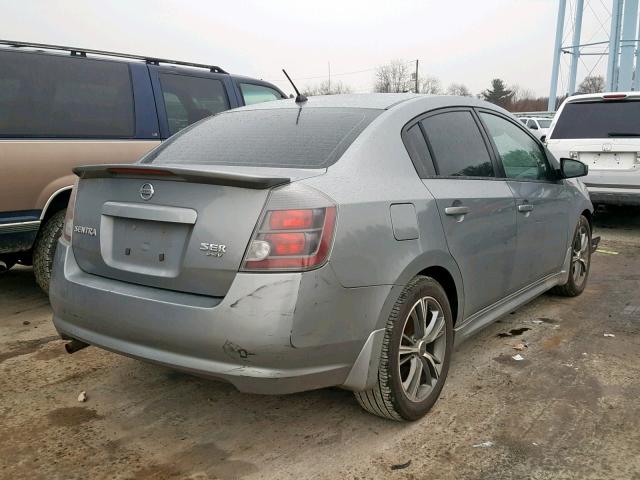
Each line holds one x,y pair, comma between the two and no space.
63,106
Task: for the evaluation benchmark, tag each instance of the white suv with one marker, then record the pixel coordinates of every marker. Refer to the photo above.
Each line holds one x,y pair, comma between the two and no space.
602,130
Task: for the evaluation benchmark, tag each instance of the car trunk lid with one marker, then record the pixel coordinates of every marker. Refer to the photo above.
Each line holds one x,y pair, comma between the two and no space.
177,228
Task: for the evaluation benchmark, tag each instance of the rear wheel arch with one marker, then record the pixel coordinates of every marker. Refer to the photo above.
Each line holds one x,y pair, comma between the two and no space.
448,284
58,201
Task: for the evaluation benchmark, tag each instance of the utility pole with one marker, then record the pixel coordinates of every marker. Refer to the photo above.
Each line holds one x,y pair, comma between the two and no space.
417,76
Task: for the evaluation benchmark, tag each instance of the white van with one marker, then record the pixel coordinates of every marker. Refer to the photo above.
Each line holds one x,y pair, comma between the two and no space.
602,130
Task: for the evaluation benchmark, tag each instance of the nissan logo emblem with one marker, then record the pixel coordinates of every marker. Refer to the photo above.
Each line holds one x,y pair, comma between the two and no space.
146,191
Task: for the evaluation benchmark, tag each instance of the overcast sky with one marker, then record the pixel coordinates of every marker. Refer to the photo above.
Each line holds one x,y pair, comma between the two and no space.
467,42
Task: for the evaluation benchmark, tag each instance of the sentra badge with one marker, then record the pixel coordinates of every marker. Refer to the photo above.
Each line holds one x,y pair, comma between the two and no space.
85,230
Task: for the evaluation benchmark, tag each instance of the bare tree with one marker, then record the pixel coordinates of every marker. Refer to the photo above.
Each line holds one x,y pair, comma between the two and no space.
521,93
458,89
326,88
430,84
592,84
394,77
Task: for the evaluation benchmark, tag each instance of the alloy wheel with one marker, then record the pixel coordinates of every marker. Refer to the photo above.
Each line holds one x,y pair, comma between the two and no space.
422,348
580,255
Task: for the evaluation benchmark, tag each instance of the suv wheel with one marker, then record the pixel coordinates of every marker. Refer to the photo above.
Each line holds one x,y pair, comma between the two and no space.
580,261
44,249
416,352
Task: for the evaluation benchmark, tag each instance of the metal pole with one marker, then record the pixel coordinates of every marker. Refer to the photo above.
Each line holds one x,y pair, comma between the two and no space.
416,76
614,41
627,44
556,56
636,83
329,63
575,49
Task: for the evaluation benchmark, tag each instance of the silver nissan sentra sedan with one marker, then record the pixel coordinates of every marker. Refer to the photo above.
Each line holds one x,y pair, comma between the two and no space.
346,240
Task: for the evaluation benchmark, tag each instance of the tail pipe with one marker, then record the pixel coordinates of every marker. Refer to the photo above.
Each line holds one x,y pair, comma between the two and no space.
74,345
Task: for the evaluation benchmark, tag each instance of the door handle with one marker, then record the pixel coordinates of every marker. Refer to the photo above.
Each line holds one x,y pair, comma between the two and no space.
527,207
456,210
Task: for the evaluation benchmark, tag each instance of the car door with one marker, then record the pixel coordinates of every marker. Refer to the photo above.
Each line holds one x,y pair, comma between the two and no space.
542,200
477,209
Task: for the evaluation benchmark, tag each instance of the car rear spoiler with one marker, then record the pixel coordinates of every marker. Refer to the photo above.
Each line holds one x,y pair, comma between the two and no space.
258,182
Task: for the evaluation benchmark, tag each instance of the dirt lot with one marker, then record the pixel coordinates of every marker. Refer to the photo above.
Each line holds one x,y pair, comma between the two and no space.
570,409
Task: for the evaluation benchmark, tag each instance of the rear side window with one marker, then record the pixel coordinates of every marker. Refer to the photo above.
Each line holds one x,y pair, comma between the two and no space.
189,99
54,96
281,137
598,120
258,93
457,145
418,151
521,156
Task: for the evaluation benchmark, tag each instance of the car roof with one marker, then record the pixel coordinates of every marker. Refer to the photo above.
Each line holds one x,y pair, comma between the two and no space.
376,101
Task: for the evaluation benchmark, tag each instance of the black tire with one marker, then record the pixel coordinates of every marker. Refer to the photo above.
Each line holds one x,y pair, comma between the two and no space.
6,264
44,249
575,286
388,398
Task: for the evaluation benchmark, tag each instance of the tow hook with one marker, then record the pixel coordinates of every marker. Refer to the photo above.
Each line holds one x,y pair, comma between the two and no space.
74,345
595,241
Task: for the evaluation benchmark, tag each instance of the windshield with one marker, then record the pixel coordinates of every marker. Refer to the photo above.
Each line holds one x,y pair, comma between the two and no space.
544,123
281,137
598,120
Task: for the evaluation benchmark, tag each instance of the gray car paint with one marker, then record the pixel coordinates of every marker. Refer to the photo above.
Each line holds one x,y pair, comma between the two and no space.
285,332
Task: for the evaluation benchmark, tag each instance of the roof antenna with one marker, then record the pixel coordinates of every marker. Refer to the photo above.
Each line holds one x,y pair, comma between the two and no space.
299,97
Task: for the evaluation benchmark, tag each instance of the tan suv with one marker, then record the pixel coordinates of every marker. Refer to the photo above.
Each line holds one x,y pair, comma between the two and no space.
61,107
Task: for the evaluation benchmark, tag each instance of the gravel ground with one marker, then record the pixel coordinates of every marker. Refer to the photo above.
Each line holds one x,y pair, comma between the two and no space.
570,409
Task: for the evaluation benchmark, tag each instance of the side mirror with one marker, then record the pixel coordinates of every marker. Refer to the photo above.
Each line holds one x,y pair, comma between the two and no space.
571,168
543,138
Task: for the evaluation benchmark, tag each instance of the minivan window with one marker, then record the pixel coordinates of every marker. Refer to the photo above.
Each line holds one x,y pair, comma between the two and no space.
521,156
457,145
281,137
188,99
598,119
253,93
54,96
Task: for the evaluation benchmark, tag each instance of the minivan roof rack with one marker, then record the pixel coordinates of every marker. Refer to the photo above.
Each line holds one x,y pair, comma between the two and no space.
82,52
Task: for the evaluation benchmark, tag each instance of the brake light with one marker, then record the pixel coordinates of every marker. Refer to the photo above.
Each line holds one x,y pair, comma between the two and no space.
139,171
291,219
292,240
615,96
67,228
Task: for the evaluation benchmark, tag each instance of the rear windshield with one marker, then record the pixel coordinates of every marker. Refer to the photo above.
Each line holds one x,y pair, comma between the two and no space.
295,138
598,120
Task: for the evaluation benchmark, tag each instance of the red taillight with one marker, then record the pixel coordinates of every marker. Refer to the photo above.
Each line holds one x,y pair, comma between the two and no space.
278,246
615,96
67,226
291,219
286,243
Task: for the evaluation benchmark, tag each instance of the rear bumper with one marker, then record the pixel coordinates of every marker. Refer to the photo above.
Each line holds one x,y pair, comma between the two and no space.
271,333
614,187
614,195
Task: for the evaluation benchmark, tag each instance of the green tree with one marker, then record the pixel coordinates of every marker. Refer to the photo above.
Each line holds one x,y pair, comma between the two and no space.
498,93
